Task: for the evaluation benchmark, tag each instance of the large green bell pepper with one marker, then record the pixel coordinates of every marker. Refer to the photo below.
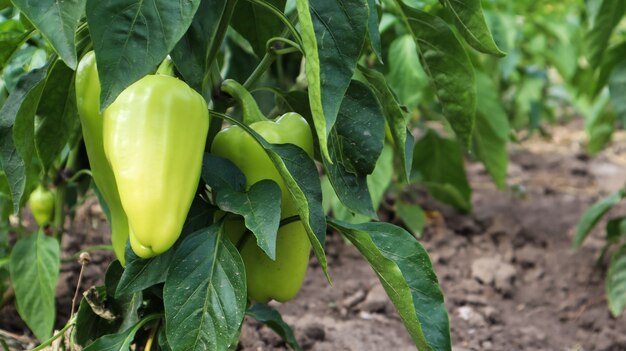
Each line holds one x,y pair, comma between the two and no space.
88,103
154,138
266,279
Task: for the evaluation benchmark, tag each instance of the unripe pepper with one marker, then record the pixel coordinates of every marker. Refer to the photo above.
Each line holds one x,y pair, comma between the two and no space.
154,138
41,203
88,103
266,279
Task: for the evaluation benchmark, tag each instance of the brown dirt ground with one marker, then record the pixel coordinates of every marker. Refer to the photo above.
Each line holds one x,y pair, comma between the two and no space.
509,275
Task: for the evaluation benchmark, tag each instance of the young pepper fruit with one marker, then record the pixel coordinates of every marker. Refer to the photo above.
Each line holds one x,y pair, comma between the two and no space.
154,138
266,279
41,203
88,103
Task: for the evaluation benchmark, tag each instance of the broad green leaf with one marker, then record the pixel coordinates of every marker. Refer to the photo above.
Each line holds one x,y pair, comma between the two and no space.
257,24
340,30
333,34
377,183
26,59
492,131
131,38
470,21
613,57
373,34
17,131
204,293
406,273
593,215
197,48
412,216
448,65
360,130
397,119
356,143
439,164
89,325
57,21
259,205
35,264
124,306
13,36
406,76
141,273
57,111
120,341
301,178
615,282
607,18
617,88
100,313
272,318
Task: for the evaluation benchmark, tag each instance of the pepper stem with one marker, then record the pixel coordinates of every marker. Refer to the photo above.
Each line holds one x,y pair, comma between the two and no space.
166,68
251,111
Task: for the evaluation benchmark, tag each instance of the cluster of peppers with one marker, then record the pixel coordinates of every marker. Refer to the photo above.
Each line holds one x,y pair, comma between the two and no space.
145,152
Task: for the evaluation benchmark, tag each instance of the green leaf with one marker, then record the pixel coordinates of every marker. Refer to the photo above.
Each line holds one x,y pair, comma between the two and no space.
593,215
613,56
89,325
141,273
406,76
120,341
57,21
57,111
448,65
17,131
597,39
259,206
197,48
360,130
333,33
617,89
373,34
35,264
13,36
439,163
405,271
272,318
100,313
492,131
412,216
258,24
131,38
615,282
470,21
395,116
356,143
204,293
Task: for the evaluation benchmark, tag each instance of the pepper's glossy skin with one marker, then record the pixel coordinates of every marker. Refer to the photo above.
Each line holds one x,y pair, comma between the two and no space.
41,203
88,103
266,279
154,138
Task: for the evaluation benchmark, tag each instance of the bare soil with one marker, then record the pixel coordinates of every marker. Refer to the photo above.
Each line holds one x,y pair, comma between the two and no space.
509,275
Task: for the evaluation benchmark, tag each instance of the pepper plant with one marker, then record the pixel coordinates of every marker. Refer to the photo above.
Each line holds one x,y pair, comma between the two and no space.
214,204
